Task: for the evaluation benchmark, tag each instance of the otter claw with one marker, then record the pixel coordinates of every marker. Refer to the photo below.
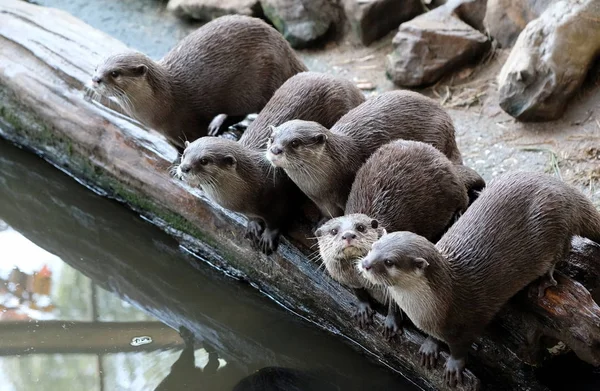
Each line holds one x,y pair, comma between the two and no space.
216,124
429,353
453,374
269,241
254,231
364,315
391,327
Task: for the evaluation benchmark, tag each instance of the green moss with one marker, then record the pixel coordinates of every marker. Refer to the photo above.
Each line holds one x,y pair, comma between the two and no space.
29,131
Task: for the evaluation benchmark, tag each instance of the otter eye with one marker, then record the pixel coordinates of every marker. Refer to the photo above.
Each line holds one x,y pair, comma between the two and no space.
295,143
360,228
204,161
114,74
333,232
388,263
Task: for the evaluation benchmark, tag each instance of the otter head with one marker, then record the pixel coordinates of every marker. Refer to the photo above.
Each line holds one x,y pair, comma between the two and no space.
345,239
398,259
207,162
125,77
296,142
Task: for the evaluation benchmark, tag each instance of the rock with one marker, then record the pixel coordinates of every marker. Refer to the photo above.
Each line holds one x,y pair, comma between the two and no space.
472,12
429,46
372,19
207,10
505,19
302,23
550,61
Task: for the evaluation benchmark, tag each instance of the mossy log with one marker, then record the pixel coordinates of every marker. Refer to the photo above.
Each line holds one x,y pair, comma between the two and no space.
46,57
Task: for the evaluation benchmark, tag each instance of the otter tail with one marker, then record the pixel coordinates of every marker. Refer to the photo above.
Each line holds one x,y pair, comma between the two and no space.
589,220
472,180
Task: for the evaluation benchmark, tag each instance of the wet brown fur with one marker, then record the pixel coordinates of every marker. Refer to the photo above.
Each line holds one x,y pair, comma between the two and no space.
325,161
232,65
515,232
255,188
404,186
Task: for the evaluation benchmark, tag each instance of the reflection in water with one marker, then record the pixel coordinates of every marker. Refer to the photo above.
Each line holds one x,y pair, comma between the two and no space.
81,278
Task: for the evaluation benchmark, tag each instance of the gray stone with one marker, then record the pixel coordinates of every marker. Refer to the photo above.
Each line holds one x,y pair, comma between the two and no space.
505,19
206,10
431,45
550,61
372,19
472,12
302,23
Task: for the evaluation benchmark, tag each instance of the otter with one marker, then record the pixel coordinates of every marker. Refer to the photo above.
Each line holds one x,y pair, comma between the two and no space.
403,186
514,233
237,176
323,162
214,77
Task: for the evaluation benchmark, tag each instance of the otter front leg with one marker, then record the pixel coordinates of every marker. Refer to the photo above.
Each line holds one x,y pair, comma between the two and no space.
393,321
455,365
547,280
222,122
364,311
429,352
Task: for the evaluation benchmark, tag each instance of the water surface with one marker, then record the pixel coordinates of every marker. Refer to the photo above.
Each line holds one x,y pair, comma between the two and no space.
92,297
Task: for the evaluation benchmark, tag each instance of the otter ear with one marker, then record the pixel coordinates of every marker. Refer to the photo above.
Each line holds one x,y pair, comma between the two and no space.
320,138
140,70
273,128
230,160
374,224
186,143
420,263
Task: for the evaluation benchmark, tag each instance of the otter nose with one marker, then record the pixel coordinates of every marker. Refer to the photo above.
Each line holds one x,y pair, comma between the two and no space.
366,264
185,168
275,150
348,236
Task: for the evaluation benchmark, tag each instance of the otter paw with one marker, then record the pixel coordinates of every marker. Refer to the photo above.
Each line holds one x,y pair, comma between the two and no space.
215,125
254,231
391,327
453,374
429,353
269,241
364,315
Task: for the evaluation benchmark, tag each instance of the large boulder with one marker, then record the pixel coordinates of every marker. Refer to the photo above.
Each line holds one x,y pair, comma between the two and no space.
505,19
207,10
371,20
302,22
550,61
431,45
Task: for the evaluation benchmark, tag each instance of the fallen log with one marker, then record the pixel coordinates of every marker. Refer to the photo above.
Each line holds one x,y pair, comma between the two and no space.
46,57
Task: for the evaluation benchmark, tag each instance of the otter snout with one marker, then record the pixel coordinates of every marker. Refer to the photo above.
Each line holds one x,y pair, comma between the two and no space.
185,168
276,150
96,80
348,236
366,264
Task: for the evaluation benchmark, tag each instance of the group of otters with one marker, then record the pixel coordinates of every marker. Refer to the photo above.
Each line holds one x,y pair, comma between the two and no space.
405,223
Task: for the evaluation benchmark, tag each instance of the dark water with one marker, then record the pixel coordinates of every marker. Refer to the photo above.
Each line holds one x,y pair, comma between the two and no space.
93,278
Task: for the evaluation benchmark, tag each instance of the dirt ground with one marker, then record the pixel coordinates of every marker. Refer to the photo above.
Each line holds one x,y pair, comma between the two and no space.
492,142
